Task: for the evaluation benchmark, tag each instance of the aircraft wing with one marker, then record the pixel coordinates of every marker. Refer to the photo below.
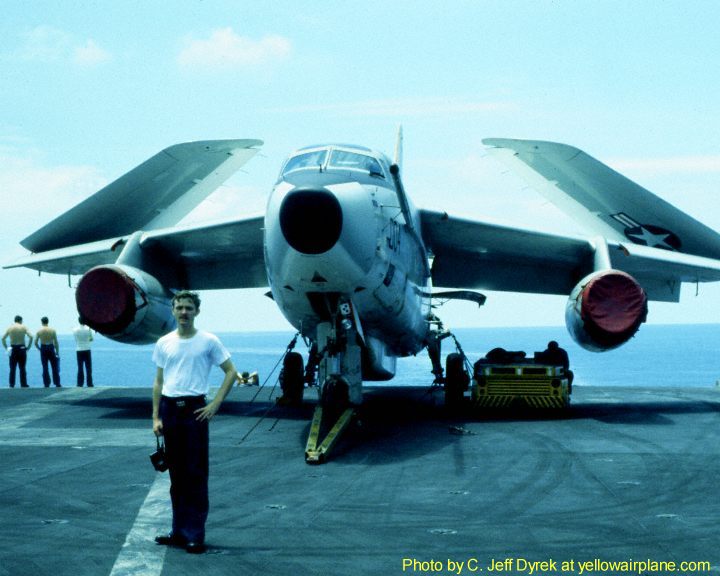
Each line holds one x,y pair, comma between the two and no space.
74,259
218,255
156,194
221,255
603,200
481,255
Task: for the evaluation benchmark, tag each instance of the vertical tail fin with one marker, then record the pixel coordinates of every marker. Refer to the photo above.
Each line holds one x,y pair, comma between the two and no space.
399,147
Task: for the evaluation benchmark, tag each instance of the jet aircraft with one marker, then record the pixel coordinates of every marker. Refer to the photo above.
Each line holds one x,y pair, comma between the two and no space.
354,266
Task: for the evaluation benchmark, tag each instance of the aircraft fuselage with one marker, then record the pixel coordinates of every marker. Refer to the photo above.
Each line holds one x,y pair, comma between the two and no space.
334,234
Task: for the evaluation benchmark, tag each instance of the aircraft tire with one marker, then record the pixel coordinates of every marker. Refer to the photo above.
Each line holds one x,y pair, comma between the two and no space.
456,380
335,396
292,380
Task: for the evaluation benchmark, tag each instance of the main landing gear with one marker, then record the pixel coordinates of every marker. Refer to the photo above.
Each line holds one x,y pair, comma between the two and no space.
291,379
456,379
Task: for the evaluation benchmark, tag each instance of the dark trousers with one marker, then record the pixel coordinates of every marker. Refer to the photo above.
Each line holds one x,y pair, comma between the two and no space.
84,358
18,359
49,356
187,448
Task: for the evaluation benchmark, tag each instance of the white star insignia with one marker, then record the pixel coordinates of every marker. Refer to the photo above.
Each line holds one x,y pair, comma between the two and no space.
649,239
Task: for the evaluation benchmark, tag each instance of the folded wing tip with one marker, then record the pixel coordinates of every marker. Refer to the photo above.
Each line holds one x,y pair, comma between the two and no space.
529,146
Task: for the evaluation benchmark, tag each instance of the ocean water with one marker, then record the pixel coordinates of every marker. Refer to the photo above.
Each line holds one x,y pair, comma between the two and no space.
659,355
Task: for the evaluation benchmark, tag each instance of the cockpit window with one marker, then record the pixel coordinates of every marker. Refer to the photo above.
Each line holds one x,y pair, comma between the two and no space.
315,159
339,160
344,160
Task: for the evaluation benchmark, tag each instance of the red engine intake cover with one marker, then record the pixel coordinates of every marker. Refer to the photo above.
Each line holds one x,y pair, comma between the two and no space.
613,307
105,299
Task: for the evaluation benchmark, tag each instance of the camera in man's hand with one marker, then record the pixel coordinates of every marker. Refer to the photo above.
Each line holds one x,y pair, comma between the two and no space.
158,458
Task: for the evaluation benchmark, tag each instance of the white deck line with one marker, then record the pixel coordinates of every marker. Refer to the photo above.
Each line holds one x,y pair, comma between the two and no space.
140,556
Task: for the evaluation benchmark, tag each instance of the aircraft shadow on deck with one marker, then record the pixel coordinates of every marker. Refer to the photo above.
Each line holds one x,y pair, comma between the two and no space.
394,425
390,408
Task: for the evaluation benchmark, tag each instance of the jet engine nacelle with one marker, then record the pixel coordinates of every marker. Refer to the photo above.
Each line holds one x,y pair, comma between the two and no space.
125,304
605,310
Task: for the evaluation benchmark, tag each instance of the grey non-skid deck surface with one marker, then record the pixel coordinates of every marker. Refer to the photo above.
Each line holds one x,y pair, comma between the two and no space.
629,473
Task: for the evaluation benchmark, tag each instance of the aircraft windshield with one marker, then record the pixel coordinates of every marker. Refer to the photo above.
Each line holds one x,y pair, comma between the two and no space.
344,160
315,159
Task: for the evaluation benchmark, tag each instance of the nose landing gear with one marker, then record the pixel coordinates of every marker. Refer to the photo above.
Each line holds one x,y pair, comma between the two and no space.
334,407
340,376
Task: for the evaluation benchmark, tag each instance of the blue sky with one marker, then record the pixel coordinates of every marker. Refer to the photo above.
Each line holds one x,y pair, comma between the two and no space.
91,89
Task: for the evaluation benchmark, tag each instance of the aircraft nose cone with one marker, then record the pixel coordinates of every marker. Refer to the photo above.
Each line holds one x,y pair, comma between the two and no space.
311,220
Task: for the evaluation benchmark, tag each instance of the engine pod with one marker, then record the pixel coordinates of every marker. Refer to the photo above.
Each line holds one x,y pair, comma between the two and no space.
124,303
105,299
605,310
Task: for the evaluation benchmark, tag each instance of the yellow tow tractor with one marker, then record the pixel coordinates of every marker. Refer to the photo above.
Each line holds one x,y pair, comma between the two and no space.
528,382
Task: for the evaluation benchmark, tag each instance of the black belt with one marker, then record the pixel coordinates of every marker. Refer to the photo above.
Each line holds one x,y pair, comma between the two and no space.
182,401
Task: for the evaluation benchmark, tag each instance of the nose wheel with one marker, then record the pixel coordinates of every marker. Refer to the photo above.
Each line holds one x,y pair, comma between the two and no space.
332,416
339,369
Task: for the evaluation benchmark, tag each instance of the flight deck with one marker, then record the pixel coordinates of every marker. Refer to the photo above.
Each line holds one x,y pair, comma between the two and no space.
624,474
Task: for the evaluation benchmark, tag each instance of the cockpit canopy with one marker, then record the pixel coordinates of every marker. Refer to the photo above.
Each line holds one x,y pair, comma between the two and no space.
336,158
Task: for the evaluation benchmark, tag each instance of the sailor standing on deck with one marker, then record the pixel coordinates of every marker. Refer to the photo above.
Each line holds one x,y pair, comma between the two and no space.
553,354
46,341
18,350
184,359
83,340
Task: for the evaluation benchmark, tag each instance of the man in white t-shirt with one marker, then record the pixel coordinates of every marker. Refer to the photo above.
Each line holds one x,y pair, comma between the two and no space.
83,340
184,359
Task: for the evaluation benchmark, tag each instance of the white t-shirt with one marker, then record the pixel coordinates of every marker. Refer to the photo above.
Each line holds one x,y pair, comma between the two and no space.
186,362
83,337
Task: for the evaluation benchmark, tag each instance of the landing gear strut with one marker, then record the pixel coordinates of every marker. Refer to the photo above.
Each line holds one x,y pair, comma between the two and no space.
456,378
434,345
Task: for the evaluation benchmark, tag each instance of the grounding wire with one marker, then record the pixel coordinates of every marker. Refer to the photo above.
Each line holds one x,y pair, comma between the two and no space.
272,406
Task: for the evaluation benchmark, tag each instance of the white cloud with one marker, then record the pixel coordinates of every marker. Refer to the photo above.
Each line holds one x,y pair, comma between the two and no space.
90,54
34,194
229,201
395,107
477,186
226,49
45,43
48,44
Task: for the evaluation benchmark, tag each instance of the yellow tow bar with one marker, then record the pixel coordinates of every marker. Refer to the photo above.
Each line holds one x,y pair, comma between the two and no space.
315,454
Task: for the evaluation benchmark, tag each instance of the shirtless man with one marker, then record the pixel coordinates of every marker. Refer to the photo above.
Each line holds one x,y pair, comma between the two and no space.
46,341
18,349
